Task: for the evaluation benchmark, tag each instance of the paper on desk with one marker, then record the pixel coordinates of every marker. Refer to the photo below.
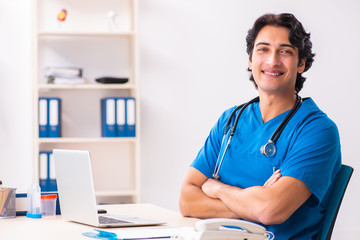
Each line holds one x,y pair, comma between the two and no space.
160,232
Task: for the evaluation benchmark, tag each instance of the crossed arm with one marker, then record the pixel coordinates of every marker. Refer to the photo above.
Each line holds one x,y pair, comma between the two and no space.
272,203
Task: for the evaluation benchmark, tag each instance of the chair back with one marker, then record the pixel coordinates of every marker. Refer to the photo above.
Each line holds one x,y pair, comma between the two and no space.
340,184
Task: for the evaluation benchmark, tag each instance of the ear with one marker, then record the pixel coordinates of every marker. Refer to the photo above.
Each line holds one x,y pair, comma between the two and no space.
301,66
250,64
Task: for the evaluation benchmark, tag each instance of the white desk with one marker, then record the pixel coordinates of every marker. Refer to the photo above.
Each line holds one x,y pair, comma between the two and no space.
53,228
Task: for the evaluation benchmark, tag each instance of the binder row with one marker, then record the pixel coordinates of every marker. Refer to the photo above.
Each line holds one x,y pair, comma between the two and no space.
47,177
118,117
49,117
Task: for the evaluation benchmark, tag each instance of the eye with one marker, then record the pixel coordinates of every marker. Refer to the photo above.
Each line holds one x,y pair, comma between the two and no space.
287,51
262,49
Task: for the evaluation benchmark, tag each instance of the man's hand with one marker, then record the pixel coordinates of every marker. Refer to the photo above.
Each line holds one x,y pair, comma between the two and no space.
273,179
211,187
195,203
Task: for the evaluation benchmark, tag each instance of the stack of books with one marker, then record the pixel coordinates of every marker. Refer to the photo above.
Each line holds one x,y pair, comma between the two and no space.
64,75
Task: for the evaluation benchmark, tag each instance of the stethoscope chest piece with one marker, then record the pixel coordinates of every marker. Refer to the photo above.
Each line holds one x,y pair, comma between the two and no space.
268,149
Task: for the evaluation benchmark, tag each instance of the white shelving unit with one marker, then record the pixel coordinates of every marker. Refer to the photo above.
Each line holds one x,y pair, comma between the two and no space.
101,47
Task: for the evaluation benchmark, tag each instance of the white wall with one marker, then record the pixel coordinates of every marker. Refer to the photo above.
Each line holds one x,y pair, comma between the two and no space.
15,94
193,66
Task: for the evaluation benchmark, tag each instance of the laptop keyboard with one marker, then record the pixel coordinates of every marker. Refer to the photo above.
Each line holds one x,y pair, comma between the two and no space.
107,220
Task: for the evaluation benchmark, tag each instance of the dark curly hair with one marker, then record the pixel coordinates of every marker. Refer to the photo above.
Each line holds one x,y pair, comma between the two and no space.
298,37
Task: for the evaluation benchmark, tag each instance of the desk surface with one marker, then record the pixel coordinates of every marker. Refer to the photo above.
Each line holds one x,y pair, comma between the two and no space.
58,228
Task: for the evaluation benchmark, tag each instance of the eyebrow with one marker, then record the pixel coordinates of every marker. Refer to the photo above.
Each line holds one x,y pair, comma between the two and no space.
281,45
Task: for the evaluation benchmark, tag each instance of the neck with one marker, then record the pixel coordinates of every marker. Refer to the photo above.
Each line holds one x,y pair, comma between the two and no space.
274,105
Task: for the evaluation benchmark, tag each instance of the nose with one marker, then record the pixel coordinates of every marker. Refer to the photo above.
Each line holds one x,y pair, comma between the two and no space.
273,59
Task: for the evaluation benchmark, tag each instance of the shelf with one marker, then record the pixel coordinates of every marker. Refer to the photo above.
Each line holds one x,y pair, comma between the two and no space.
85,34
105,193
88,140
88,41
85,86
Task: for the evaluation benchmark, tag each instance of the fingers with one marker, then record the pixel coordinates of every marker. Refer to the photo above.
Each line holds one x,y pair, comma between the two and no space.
273,179
211,187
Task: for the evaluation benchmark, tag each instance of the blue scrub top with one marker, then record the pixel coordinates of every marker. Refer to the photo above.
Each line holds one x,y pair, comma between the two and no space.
308,149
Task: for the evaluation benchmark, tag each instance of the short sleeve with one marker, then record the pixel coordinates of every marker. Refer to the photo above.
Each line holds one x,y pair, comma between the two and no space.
315,156
206,159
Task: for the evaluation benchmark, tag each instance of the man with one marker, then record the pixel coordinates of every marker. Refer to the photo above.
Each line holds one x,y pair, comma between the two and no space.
282,187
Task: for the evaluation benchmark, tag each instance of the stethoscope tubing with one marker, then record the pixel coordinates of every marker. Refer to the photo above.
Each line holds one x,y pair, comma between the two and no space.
271,142
275,136
217,168
233,128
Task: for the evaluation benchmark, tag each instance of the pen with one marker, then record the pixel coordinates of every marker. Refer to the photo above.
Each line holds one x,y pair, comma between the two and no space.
144,238
106,235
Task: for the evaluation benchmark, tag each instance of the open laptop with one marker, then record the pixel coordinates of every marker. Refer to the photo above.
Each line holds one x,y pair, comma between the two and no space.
77,194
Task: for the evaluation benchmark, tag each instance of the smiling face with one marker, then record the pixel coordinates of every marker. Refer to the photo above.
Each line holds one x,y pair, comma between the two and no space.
275,62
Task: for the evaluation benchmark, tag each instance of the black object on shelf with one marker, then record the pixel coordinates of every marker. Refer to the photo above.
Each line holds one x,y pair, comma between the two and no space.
111,80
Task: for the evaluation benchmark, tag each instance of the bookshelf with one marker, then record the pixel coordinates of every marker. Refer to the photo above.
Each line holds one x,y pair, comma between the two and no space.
101,46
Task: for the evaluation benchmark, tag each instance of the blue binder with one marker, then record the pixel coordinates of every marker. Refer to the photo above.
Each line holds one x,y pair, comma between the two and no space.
43,117
43,170
108,115
130,117
54,120
52,186
121,117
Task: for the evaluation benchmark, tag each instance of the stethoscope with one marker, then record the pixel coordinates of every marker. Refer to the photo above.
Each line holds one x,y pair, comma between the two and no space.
268,149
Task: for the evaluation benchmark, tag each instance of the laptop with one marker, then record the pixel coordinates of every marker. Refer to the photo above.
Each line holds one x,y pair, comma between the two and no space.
77,195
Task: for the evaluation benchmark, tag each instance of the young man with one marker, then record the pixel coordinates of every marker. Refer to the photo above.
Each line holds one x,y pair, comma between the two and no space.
276,176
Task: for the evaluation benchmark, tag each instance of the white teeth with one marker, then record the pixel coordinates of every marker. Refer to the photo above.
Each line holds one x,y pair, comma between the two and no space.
272,74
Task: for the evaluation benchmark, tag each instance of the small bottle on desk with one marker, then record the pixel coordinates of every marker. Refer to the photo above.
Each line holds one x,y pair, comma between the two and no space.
34,201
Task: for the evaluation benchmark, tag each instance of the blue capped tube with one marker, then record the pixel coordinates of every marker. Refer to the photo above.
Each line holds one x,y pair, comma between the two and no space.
34,201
